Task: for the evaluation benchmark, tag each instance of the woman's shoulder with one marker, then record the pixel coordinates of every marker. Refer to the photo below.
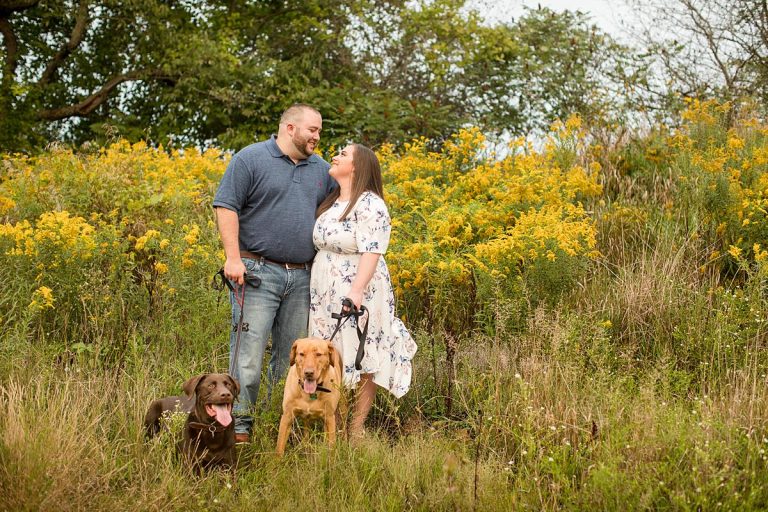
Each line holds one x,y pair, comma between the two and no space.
370,206
371,200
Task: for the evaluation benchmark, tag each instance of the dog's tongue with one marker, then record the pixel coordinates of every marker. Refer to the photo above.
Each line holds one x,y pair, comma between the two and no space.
221,412
310,386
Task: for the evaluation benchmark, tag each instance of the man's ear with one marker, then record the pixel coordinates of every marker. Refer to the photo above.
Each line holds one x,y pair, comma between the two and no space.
190,386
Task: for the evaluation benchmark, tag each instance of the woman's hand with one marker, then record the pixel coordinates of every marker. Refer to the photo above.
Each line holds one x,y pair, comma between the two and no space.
356,296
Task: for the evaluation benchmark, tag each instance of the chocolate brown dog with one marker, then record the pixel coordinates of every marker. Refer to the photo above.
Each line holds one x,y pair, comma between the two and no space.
209,432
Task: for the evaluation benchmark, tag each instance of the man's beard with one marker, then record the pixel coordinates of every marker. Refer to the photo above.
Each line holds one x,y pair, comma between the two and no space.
301,145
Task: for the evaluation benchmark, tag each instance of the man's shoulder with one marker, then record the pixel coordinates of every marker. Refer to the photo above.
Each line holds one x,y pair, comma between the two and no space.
252,157
256,149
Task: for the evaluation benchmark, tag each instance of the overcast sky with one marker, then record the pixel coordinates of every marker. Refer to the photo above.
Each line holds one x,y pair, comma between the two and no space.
605,14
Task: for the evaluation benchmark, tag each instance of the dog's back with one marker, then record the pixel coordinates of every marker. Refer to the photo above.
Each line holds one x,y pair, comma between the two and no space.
171,404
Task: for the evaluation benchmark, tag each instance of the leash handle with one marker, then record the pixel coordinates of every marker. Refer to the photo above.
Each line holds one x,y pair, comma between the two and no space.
220,280
349,310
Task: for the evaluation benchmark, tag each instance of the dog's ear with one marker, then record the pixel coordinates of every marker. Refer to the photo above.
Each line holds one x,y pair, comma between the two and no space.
292,359
235,385
190,386
333,354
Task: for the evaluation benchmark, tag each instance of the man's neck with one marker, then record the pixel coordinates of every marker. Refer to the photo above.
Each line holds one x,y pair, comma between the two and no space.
286,146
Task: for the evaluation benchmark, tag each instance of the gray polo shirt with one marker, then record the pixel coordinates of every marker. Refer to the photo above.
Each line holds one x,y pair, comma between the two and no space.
275,200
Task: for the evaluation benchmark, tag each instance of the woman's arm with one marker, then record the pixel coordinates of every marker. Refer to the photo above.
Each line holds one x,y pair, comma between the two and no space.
365,271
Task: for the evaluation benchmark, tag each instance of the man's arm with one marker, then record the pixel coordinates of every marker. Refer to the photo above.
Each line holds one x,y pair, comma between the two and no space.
229,230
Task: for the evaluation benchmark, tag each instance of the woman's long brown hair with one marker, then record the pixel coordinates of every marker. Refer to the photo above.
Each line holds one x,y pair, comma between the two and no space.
366,177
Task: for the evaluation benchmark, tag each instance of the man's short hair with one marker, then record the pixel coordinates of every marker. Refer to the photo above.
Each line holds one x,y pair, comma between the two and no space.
295,112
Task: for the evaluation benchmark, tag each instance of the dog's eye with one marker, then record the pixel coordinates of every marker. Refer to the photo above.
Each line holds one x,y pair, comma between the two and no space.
301,354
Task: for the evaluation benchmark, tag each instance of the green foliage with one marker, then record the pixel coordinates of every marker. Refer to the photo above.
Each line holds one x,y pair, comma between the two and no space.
221,72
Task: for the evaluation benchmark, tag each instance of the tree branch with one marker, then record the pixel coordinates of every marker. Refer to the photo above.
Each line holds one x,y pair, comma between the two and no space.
78,33
764,19
11,49
93,101
10,41
705,29
9,6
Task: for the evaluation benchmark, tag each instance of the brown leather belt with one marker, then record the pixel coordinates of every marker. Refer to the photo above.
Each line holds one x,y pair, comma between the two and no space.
287,266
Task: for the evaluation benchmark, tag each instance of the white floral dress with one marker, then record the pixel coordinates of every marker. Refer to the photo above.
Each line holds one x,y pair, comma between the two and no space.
389,347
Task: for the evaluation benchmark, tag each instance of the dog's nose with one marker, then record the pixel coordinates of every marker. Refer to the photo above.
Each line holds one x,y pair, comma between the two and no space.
309,373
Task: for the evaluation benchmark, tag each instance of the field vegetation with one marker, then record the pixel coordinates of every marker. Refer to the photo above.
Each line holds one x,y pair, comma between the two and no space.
591,326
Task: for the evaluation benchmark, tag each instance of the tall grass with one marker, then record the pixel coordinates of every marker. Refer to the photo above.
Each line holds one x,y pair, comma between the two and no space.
543,420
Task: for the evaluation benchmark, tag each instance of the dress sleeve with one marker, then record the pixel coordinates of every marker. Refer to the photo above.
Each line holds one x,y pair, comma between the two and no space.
373,224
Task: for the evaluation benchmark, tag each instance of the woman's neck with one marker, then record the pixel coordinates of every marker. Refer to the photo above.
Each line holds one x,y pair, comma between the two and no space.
345,191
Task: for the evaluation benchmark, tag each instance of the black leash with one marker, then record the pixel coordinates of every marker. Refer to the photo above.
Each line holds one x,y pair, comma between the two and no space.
349,310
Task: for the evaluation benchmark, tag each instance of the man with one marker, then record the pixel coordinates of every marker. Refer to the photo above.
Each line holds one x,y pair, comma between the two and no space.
265,209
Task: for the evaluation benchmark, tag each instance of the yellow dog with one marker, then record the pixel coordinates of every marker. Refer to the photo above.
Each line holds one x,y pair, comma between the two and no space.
312,388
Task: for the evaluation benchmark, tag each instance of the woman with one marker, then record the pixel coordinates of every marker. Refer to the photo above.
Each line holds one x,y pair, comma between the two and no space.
351,235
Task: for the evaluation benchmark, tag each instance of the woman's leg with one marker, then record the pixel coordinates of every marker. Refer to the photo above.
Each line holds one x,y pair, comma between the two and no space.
366,393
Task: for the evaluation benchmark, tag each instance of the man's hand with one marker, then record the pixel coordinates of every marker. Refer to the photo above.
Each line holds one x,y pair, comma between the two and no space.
234,270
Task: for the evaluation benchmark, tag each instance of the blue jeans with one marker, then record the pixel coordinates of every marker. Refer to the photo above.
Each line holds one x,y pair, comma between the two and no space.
280,307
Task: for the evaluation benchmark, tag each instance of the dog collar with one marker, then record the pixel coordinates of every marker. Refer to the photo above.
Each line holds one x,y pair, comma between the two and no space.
213,428
320,387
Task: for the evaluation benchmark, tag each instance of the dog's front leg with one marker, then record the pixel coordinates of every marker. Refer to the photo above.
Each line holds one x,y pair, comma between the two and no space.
286,421
330,426
342,411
